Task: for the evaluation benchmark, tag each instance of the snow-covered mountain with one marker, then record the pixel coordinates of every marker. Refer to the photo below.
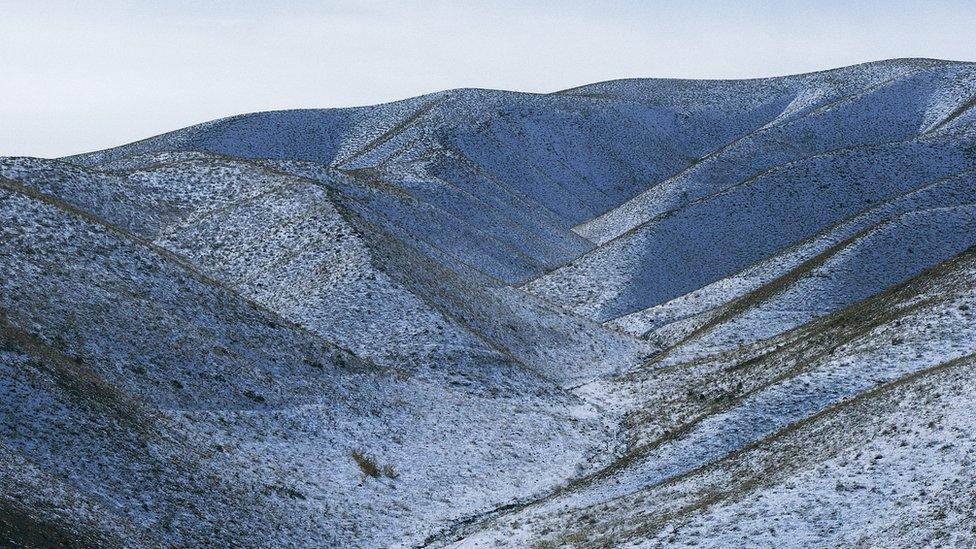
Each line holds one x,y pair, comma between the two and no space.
635,313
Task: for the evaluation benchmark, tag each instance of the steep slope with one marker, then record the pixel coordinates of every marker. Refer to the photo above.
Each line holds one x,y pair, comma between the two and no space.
641,312
239,399
894,102
310,251
743,224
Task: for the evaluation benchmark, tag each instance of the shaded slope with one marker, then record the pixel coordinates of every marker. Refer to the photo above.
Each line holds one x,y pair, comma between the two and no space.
826,116
731,230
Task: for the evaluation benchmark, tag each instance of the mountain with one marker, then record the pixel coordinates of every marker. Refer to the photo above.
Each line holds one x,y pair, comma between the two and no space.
640,312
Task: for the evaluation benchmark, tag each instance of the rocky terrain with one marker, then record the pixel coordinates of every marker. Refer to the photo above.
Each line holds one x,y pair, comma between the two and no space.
642,313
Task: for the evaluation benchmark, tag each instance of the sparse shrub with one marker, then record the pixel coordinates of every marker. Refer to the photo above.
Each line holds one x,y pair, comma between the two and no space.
366,464
371,468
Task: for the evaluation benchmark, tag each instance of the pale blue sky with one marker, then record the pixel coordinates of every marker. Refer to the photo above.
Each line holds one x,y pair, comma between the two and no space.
81,76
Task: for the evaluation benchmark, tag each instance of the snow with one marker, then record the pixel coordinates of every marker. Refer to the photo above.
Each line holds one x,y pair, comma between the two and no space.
634,313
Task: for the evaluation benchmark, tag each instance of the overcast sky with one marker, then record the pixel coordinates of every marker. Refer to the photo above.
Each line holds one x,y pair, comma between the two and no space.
85,75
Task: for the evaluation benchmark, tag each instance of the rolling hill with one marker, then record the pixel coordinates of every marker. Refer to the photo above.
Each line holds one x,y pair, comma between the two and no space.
641,312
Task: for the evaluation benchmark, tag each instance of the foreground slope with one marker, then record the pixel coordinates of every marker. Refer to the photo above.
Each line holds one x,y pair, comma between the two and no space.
642,311
847,430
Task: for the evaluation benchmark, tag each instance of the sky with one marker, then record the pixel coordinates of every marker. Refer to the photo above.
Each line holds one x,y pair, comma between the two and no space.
85,75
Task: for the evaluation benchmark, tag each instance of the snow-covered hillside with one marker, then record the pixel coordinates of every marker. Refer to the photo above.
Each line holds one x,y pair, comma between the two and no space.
634,313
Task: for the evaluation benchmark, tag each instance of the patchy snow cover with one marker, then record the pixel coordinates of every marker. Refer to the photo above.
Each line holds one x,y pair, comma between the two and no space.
639,312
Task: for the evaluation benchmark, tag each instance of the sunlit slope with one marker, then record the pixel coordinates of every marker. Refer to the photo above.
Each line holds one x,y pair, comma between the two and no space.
845,430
